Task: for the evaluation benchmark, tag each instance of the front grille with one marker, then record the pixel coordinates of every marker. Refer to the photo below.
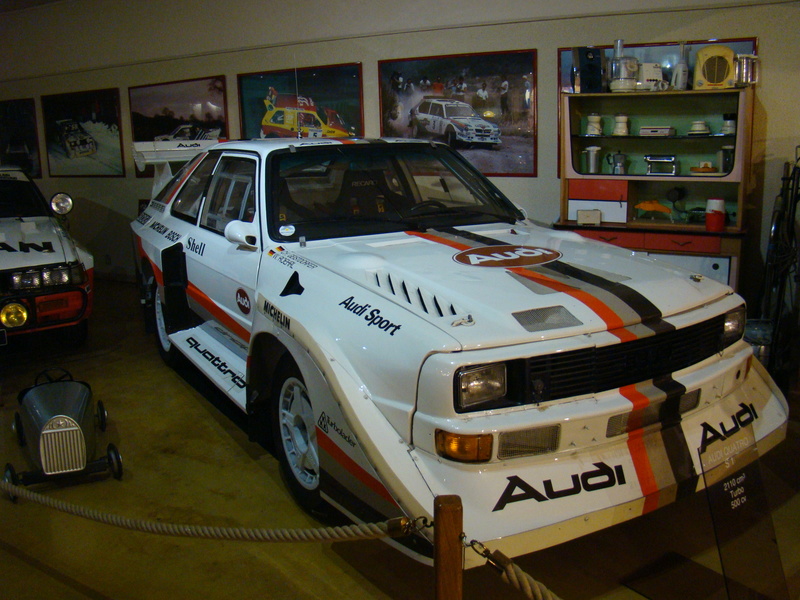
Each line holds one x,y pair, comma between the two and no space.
595,370
62,447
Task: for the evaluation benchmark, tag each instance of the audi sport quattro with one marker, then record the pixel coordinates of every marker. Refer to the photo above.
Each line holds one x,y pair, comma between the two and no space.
400,330
45,276
455,121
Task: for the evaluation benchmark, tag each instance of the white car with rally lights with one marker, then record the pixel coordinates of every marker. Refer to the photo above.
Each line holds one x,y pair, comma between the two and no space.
45,276
399,330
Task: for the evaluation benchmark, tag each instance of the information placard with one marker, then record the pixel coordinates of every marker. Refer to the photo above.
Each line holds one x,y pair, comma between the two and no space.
741,515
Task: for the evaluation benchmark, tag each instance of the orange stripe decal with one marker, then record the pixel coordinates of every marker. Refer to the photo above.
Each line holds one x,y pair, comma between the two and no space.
356,470
220,315
638,451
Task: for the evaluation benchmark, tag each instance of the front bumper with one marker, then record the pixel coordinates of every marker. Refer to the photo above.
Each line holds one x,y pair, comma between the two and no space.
592,482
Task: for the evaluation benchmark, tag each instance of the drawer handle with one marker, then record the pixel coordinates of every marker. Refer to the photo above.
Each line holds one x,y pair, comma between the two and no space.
608,239
681,244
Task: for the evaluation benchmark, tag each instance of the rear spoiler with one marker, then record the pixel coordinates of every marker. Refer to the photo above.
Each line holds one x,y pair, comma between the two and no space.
161,154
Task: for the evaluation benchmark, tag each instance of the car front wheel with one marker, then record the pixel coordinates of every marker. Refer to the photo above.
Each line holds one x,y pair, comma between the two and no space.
295,435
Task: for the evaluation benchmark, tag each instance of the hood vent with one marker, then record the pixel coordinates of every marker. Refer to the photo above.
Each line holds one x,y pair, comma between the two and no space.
421,299
545,319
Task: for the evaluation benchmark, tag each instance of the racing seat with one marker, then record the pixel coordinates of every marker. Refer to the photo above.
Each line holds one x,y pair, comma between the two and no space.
366,193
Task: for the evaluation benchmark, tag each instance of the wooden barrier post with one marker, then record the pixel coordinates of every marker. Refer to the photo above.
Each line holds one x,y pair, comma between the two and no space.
448,548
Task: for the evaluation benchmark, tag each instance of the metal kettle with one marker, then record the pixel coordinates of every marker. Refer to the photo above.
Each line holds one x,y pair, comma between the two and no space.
617,162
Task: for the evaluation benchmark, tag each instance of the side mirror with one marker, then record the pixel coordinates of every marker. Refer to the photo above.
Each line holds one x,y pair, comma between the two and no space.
61,203
242,233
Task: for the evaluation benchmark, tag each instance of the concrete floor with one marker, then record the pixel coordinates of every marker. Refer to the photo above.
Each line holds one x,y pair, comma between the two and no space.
187,461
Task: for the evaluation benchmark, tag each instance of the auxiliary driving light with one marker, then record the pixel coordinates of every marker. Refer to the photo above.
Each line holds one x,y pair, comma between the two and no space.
464,447
13,315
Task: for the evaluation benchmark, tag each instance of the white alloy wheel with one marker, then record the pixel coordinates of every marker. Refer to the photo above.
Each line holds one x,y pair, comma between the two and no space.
298,433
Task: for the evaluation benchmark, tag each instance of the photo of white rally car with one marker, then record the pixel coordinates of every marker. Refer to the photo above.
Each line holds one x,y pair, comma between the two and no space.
400,330
46,277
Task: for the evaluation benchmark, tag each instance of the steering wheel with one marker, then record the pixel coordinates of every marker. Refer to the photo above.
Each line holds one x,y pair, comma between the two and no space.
426,204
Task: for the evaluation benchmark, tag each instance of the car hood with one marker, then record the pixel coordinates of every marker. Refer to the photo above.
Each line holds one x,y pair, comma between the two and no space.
33,241
474,121
515,284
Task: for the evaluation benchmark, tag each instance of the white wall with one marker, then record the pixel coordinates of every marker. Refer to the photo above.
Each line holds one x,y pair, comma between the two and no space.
76,45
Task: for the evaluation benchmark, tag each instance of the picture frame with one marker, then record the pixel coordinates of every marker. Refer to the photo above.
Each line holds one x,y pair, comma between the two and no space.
188,109
19,137
481,92
82,133
321,101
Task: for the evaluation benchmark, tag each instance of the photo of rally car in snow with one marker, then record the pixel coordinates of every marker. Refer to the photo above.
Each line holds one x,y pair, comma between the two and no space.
45,276
74,139
398,329
291,115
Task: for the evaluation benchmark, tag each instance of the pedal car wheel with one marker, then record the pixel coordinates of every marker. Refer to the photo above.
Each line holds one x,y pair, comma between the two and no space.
294,431
114,461
102,416
18,429
10,476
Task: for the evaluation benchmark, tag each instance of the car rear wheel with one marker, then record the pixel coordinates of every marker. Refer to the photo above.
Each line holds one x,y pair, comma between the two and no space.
295,435
166,348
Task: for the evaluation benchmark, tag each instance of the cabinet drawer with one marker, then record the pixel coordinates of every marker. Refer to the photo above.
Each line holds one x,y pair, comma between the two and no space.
626,239
675,242
598,189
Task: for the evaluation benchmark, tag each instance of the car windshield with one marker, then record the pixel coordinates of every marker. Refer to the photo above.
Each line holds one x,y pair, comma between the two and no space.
361,189
460,110
20,198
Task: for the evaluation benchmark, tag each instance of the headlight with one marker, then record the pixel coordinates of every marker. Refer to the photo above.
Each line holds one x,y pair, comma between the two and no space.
55,275
479,385
13,314
734,326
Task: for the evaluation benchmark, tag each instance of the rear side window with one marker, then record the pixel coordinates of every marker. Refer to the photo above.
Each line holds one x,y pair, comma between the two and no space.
231,196
188,200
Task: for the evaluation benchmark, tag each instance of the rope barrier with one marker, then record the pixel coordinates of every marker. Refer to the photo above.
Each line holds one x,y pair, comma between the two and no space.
392,528
511,573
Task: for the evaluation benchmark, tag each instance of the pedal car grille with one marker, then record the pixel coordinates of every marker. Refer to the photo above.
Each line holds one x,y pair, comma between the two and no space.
595,370
62,447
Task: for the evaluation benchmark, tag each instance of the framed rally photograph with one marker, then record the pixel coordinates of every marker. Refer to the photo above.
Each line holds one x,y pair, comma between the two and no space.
83,134
483,105
19,139
191,109
322,101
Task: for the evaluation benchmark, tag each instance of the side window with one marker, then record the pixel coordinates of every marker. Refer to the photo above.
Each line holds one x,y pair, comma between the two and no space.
187,202
231,196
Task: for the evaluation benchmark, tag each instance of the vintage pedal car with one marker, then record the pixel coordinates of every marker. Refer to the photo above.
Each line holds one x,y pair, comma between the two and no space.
45,276
401,330
57,422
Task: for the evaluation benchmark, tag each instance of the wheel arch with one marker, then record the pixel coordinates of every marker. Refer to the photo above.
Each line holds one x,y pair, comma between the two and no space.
266,353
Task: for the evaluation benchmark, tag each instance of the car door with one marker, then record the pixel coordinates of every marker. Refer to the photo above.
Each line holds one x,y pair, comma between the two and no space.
221,274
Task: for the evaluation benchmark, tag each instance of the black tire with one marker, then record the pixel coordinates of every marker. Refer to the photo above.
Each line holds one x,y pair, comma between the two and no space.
451,138
114,461
295,437
10,476
166,349
102,415
18,429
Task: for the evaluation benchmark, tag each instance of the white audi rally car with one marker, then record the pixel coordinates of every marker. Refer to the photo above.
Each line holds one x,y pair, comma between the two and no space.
45,276
400,331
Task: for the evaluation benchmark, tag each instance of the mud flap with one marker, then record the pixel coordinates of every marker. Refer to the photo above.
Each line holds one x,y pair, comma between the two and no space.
176,305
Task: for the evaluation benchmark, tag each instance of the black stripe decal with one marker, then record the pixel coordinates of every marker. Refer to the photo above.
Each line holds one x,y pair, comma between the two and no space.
639,304
675,444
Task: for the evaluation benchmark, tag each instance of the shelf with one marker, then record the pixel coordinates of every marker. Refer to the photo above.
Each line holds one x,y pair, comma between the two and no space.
614,197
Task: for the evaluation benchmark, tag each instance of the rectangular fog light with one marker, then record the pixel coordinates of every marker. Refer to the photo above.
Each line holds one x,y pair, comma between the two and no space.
649,415
528,442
